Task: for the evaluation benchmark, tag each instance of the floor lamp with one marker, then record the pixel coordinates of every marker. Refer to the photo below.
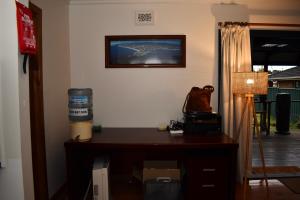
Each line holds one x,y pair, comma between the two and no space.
248,84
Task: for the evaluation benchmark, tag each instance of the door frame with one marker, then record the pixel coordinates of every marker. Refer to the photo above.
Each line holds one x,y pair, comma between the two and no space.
39,164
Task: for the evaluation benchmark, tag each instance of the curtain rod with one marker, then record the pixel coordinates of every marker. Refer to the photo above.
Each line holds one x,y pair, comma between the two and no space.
257,24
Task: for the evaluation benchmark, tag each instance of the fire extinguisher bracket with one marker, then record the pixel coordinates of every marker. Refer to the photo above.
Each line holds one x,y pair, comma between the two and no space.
24,62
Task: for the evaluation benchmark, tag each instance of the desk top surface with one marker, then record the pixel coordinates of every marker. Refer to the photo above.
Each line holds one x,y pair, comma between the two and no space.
151,137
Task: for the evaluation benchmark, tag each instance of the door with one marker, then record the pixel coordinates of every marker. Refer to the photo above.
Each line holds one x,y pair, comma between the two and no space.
37,112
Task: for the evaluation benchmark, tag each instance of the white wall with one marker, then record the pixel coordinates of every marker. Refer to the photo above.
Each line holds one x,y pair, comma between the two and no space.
140,97
56,76
147,97
2,153
17,173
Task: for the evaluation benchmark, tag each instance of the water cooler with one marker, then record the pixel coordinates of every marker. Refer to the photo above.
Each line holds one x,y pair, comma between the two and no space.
80,113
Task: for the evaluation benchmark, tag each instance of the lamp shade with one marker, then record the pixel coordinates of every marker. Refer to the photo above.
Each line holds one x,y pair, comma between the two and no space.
250,83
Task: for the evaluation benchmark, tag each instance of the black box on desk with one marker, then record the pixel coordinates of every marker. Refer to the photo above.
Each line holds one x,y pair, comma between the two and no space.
202,123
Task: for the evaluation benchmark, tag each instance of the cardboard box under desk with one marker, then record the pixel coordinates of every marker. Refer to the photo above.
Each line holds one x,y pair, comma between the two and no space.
155,169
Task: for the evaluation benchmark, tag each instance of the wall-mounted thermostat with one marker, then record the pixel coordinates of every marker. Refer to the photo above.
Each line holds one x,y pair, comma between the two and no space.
144,17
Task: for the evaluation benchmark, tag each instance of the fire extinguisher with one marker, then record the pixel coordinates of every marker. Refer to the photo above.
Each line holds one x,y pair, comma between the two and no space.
26,32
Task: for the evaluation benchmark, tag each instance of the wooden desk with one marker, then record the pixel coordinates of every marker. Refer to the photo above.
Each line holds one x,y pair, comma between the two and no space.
209,162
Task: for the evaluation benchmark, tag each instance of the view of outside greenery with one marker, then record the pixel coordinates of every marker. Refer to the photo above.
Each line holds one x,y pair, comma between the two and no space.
295,123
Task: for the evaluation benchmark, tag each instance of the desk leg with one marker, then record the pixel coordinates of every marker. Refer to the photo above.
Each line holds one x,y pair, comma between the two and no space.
79,168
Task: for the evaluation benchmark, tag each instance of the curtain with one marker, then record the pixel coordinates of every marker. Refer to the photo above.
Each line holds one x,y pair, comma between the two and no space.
236,57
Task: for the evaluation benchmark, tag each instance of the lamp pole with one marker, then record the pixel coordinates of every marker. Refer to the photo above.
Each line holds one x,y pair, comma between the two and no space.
251,108
260,144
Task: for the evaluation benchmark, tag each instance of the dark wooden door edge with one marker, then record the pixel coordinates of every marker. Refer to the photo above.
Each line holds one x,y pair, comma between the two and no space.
61,193
37,112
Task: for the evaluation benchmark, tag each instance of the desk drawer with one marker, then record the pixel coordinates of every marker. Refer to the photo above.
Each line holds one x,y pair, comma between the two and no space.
210,177
215,166
209,191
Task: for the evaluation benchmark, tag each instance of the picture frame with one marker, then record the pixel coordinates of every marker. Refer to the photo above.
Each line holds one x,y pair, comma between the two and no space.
145,51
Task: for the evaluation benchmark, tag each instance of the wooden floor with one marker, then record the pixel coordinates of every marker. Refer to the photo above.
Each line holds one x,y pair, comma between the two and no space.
279,150
257,191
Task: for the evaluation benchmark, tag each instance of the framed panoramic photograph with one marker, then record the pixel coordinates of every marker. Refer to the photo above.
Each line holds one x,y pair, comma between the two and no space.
145,51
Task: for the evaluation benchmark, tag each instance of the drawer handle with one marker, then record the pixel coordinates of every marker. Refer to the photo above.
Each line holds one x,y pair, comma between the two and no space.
208,186
209,170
